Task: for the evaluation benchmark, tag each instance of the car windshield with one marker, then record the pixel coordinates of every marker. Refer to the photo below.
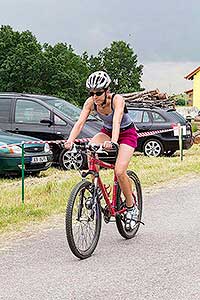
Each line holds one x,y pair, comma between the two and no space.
70,110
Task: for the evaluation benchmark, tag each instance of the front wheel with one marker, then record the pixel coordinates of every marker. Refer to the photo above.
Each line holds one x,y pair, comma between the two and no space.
83,220
121,201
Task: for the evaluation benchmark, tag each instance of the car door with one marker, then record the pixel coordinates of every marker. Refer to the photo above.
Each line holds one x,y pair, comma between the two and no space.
5,112
143,123
159,121
141,119
28,114
62,128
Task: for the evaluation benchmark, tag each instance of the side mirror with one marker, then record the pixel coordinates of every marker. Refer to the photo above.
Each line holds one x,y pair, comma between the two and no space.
46,121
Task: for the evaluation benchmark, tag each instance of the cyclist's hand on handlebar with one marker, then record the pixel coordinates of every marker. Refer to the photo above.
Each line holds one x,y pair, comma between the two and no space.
68,145
109,145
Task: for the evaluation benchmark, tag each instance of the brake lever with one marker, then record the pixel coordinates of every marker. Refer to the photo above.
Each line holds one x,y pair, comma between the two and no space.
74,150
101,151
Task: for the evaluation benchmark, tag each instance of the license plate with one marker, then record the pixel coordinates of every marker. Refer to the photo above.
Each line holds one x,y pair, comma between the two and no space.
39,159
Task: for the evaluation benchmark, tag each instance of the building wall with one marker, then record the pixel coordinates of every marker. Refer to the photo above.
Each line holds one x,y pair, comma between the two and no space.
190,98
196,90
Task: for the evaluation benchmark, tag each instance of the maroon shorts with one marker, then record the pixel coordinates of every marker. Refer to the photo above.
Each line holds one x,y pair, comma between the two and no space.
128,136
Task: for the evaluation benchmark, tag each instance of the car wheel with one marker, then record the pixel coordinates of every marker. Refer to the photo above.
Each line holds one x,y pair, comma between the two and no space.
169,153
69,160
153,147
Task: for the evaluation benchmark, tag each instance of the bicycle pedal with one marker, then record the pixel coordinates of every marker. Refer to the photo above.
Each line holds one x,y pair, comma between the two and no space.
108,219
112,220
140,222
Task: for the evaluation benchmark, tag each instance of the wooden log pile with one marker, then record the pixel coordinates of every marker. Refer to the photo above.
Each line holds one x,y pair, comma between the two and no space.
148,98
196,137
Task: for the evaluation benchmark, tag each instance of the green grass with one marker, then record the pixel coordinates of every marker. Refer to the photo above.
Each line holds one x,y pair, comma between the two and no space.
47,195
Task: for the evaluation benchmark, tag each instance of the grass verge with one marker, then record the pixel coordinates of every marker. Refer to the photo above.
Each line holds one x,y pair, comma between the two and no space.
47,195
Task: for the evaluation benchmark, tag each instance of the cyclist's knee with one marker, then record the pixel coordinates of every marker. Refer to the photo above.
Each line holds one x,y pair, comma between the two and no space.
99,138
120,172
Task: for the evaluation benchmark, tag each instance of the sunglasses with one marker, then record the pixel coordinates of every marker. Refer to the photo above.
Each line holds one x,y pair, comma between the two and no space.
97,93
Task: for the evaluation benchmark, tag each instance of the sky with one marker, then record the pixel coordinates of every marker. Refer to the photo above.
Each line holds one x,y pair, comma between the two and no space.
164,34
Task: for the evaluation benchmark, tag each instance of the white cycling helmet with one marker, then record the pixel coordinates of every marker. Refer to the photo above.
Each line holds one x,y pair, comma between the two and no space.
98,80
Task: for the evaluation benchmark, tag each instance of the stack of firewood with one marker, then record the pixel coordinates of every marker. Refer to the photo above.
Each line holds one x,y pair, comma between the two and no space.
148,98
196,137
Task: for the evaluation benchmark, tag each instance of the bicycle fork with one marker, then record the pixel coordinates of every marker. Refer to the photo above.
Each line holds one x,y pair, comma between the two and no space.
95,196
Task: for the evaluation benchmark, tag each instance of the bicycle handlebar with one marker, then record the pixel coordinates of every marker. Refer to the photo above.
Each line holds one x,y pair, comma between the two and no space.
95,148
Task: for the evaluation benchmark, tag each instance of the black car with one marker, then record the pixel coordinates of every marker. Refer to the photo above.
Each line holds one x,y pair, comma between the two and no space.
153,118
47,118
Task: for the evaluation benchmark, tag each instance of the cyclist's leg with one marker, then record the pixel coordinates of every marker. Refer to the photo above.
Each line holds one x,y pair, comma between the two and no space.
100,138
124,156
123,159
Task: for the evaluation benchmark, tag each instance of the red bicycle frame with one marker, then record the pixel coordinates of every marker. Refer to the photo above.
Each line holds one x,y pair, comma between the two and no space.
93,163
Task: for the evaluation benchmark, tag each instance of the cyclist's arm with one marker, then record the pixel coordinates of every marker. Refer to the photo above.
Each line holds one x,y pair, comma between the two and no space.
81,121
117,118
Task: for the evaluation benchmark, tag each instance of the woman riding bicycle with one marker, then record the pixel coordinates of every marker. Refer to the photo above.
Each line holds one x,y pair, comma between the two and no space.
118,129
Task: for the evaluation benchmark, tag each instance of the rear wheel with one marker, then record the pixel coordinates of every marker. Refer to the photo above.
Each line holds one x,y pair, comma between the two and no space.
153,147
137,194
83,220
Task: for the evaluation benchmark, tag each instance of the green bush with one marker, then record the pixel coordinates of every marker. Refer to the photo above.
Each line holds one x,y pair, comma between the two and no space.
180,102
194,127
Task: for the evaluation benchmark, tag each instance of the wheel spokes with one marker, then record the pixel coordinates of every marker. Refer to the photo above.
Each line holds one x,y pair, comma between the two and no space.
83,225
153,148
72,160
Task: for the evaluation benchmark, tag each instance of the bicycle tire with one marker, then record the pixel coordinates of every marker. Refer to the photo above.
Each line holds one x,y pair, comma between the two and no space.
82,191
120,217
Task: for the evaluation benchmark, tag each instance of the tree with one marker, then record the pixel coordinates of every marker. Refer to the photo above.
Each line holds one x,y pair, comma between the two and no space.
120,61
27,66
64,73
20,61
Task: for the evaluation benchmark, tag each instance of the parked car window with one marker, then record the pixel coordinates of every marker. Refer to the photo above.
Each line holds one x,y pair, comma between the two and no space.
70,110
5,104
146,118
65,107
176,116
157,117
136,115
30,112
59,121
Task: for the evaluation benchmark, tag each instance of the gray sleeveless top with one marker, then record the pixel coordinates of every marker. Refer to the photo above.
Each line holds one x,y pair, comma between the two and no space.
108,119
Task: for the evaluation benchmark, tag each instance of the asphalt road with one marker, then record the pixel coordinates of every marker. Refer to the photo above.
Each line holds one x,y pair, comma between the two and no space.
161,262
